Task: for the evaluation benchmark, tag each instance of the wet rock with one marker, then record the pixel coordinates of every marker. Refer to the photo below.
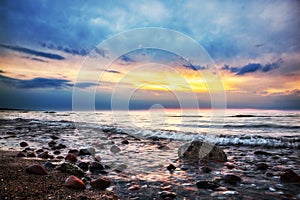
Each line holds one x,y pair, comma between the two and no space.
199,150
84,166
289,176
134,187
100,183
261,166
23,144
171,167
39,151
84,152
49,165
21,155
96,166
115,149
232,179
54,137
71,157
51,143
97,158
45,155
36,169
74,151
125,142
229,165
71,169
31,155
163,147
167,195
207,184
120,168
74,182
262,153
206,169
57,152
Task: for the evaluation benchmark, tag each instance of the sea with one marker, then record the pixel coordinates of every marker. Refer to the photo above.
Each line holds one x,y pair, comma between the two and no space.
250,127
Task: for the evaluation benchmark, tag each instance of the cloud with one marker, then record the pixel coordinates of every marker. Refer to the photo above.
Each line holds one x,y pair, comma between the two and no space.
35,83
35,59
33,52
252,67
194,67
113,71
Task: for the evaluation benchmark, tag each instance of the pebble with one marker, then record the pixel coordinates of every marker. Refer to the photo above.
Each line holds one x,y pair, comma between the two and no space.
21,155
100,183
31,155
134,187
289,176
54,137
207,184
51,143
125,142
23,144
71,157
74,151
229,166
262,153
49,165
261,166
84,152
36,169
71,169
171,167
167,195
84,166
232,179
115,149
45,155
96,166
57,152
120,168
74,183
206,169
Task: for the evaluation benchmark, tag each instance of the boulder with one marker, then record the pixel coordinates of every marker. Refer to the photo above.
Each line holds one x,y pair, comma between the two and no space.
36,169
71,169
289,176
74,183
200,150
100,183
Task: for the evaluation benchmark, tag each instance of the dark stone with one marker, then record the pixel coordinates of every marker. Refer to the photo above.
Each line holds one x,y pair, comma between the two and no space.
84,152
200,150
23,144
262,153
54,137
125,142
232,179
206,169
71,157
21,155
31,155
74,151
39,151
229,166
261,166
62,146
168,195
96,166
52,143
207,184
289,176
45,155
71,169
100,183
36,169
57,152
171,167
74,182
49,165
84,166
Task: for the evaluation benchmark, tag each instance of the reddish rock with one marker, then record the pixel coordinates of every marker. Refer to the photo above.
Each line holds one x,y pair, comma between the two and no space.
289,176
36,169
21,155
74,151
45,155
74,183
100,183
71,157
134,187
23,144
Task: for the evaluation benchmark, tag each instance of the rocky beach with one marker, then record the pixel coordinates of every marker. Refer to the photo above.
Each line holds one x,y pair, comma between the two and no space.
52,161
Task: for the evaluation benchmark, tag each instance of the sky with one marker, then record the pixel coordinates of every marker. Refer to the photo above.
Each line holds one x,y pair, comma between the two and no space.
253,45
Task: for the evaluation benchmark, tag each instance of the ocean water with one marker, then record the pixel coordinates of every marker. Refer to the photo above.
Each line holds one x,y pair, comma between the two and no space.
271,128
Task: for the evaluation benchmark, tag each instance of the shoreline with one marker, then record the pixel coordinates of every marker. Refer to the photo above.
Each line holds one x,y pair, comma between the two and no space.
138,167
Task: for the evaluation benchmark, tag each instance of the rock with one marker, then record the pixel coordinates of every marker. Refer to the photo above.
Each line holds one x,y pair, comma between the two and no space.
74,182
96,166
21,155
100,183
84,166
261,166
289,176
167,195
57,152
171,167
71,157
120,168
31,155
206,169
229,166
51,143
199,150
23,144
125,142
262,153
163,147
207,184
45,155
84,152
49,165
134,187
39,151
71,169
74,151
115,149
36,169
54,137
232,179
97,158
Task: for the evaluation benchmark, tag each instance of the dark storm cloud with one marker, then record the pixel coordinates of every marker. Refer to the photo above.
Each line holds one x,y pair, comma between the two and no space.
33,52
253,67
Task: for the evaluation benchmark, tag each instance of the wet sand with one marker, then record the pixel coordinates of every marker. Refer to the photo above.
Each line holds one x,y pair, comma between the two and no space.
137,167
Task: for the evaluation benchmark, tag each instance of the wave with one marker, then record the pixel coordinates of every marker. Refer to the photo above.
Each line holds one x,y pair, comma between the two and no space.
262,126
263,116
